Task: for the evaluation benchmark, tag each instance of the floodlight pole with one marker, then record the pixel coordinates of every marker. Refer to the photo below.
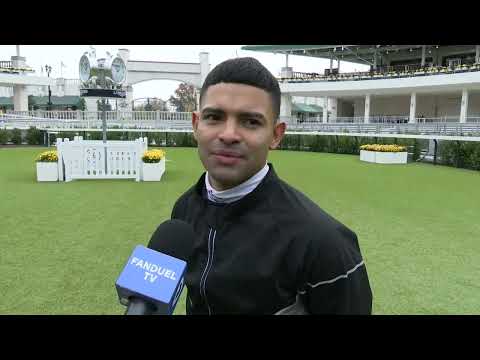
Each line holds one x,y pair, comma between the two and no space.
103,102
104,120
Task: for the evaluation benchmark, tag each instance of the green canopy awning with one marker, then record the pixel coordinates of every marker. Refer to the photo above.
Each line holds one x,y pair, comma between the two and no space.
57,100
6,101
299,107
318,109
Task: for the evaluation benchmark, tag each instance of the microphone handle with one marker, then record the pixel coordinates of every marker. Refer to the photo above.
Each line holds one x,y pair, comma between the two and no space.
138,306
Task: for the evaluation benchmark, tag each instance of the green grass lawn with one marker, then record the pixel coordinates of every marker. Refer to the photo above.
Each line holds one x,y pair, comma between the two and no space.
64,244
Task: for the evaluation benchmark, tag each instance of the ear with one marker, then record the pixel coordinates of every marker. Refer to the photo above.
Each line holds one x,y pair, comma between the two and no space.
278,133
195,120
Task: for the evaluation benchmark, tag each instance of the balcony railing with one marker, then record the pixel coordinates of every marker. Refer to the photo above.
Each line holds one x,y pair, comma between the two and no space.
397,71
5,64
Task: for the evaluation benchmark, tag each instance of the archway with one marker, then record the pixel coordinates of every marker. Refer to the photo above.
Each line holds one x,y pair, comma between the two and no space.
157,88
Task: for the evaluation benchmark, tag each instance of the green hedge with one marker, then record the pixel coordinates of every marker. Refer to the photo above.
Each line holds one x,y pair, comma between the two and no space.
16,136
161,139
461,154
4,136
34,136
344,144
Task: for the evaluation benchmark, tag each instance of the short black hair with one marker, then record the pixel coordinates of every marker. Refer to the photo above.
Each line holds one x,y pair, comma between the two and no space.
247,71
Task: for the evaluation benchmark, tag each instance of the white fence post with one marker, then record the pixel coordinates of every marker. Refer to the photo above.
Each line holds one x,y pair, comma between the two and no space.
67,158
140,147
60,159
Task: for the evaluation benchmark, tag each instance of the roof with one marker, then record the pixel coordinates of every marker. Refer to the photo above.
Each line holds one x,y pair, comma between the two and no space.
282,49
306,108
361,54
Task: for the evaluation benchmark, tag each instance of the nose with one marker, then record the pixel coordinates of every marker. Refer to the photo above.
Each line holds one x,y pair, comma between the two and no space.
229,132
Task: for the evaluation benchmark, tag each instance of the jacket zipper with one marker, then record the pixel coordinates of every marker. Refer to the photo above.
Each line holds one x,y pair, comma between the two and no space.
203,279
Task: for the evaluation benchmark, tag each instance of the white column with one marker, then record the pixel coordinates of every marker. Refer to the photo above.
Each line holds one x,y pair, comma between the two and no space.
286,105
325,110
331,62
477,53
204,67
413,108
375,60
332,102
338,65
366,118
423,55
286,72
20,98
18,61
464,106
197,95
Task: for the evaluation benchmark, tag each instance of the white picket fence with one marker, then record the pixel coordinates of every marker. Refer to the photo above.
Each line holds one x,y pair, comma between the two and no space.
94,159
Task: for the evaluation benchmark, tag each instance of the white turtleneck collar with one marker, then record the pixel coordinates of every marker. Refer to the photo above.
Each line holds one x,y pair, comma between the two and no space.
237,192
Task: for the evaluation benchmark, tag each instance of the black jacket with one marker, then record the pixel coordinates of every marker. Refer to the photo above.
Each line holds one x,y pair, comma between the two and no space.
272,251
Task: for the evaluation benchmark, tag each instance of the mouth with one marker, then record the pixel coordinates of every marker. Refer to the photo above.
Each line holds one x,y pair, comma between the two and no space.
227,153
227,157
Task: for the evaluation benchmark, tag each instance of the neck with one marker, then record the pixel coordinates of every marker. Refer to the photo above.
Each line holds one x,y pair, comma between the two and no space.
234,193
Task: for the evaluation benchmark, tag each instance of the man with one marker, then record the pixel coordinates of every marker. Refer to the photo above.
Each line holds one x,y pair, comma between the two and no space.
263,247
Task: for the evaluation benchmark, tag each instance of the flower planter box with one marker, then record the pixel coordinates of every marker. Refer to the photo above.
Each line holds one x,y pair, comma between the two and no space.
47,171
384,157
153,171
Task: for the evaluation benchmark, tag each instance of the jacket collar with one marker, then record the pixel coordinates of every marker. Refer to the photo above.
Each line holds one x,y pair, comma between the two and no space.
259,194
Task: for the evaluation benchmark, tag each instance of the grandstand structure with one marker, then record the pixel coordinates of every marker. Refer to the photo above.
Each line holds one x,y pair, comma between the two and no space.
409,91
403,84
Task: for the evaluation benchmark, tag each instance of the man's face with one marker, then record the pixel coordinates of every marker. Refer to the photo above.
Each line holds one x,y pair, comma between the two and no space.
234,131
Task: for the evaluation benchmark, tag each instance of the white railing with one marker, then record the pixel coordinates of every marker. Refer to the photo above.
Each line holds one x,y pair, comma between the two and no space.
94,159
179,123
350,119
110,115
441,119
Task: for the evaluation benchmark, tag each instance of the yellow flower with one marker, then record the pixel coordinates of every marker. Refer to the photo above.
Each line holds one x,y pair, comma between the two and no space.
47,156
383,148
153,156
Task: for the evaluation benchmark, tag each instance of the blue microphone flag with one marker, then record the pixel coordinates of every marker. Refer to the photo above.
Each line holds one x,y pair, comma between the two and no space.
154,277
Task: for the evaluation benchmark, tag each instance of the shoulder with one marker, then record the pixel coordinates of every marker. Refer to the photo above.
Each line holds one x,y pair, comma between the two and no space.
296,208
180,206
317,236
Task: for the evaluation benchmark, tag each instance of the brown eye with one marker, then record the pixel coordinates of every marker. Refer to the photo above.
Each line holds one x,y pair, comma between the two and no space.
213,117
252,123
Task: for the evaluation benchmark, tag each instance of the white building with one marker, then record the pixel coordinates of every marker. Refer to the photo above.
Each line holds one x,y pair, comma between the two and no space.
414,83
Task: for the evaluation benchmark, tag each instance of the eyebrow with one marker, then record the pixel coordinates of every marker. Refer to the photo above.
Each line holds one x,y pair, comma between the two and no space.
252,114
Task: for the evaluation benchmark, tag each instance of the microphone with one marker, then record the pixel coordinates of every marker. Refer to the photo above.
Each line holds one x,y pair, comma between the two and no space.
152,280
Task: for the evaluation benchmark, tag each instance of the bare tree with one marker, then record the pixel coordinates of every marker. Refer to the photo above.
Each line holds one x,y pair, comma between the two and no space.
184,99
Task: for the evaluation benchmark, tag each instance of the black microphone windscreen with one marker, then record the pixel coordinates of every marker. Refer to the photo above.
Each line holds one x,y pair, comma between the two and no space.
174,238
